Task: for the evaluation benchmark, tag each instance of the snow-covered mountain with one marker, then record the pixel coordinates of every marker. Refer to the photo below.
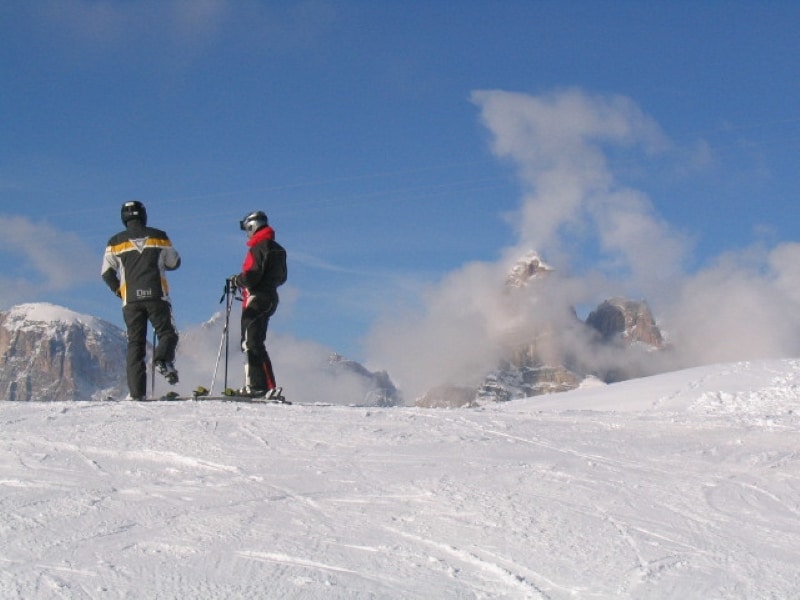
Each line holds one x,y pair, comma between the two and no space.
49,352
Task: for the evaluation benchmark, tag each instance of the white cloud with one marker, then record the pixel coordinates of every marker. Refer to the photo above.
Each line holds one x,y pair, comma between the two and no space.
49,260
746,305
559,144
452,340
301,367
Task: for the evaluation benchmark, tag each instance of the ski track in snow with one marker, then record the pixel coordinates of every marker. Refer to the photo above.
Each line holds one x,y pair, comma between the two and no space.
683,486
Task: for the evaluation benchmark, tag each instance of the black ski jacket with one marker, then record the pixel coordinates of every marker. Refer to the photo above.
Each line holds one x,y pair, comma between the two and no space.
135,261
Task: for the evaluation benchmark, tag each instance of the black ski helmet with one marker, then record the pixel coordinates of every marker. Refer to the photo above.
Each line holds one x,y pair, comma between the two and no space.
253,222
133,209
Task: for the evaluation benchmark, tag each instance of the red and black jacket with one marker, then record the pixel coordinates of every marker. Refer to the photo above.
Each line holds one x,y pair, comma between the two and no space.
264,267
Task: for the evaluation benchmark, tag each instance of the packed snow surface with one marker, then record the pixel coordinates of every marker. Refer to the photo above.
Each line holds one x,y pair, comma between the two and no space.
684,485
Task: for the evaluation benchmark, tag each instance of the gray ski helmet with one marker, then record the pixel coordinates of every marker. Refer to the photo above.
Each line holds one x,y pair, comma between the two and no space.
253,222
134,209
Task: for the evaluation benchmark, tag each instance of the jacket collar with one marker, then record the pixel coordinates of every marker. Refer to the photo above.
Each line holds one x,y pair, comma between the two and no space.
265,233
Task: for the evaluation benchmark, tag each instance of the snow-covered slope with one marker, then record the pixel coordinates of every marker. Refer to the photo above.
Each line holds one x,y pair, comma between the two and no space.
683,485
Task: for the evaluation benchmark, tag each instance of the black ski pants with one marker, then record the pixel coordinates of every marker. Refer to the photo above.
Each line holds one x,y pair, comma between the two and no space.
137,314
255,321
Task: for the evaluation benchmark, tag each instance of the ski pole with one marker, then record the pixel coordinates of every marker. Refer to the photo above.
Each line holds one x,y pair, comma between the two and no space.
216,364
222,338
153,366
230,294
226,296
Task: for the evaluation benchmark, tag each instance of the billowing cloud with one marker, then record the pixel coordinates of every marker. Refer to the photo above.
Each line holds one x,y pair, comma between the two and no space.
301,366
564,145
559,143
745,305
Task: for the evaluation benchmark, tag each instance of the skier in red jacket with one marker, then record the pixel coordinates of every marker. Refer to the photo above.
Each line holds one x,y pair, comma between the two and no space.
263,270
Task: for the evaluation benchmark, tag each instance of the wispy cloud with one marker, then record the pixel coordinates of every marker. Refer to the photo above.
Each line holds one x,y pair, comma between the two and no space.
170,31
183,29
48,259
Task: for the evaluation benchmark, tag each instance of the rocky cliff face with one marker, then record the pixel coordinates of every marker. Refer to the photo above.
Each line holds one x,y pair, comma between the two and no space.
627,322
51,353
380,391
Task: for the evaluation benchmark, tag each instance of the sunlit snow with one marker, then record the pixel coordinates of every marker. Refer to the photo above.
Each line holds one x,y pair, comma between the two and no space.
683,485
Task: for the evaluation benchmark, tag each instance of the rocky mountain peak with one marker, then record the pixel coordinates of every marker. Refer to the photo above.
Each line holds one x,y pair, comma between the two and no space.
529,267
628,321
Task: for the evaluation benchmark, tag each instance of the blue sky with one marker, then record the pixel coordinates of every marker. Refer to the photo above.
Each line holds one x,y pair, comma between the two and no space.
393,144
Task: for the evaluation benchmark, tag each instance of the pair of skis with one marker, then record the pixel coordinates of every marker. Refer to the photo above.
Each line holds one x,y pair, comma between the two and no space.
229,395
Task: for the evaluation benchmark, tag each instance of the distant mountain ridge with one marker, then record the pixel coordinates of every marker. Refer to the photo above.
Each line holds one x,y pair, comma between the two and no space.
49,353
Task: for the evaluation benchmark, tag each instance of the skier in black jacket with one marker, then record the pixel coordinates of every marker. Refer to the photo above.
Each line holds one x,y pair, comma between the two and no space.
134,266
264,269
